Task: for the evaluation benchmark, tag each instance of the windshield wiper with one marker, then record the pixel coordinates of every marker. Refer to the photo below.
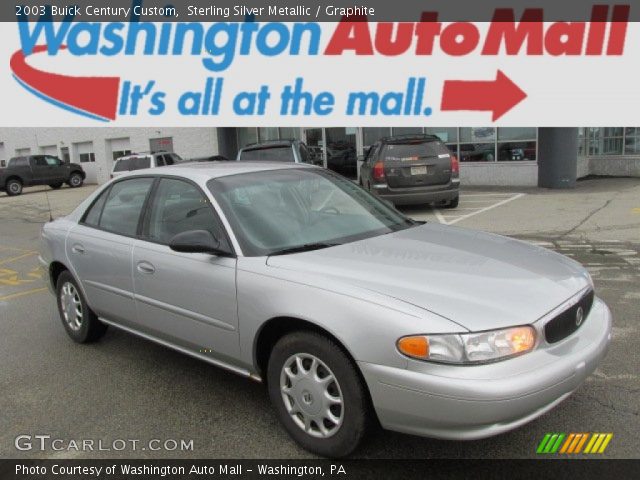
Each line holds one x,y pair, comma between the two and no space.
307,247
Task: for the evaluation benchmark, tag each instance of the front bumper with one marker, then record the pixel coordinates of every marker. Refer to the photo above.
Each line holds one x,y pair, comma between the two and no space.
418,195
472,402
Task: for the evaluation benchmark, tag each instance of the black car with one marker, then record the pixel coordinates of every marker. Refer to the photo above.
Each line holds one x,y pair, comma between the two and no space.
39,170
412,170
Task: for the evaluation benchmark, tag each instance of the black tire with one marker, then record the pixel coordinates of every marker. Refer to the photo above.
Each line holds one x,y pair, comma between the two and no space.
89,329
13,187
56,186
75,180
453,203
354,410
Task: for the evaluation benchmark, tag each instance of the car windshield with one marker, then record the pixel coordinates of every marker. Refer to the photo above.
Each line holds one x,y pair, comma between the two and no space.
282,153
283,211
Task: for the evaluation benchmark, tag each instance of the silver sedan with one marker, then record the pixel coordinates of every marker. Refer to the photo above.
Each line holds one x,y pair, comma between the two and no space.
349,312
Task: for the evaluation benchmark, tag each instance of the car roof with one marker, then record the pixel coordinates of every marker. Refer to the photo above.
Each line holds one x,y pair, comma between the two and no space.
203,171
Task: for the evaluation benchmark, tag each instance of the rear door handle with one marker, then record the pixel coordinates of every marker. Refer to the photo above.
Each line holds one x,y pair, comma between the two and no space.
146,267
77,248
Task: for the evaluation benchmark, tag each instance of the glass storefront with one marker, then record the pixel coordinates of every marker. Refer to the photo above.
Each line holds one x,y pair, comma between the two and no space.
609,141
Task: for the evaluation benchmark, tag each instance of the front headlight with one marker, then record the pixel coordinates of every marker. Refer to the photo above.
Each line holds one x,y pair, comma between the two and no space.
469,348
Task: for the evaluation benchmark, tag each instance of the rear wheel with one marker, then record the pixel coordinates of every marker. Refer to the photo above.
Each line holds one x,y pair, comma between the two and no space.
14,187
317,394
56,186
81,324
75,180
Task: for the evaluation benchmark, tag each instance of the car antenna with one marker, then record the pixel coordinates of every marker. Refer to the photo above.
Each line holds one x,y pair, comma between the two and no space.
46,194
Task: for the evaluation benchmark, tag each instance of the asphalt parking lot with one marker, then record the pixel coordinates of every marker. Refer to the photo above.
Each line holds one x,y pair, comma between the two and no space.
127,388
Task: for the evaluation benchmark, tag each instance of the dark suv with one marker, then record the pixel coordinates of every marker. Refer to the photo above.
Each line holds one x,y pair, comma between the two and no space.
39,170
412,170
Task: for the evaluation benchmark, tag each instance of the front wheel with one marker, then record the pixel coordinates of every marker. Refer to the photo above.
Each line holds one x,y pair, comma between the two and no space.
317,394
75,180
81,324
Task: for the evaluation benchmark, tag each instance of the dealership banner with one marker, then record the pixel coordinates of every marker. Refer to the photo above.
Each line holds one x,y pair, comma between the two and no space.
135,63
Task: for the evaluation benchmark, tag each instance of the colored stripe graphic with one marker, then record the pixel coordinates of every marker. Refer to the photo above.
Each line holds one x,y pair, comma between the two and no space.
93,97
573,443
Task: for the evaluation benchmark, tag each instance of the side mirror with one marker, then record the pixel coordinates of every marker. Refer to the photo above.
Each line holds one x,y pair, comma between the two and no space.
198,241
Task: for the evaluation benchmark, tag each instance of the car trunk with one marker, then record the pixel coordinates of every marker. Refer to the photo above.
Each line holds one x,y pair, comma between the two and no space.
415,164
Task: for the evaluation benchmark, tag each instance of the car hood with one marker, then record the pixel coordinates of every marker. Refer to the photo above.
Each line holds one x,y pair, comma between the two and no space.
475,279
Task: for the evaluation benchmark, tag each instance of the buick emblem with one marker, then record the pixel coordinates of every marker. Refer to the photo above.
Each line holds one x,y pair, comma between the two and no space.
579,316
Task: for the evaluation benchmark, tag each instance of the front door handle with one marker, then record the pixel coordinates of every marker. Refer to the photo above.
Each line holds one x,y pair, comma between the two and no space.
146,267
77,248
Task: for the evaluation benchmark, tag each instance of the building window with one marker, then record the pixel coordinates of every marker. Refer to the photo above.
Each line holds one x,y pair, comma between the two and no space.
448,135
478,144
632,141
373,134
605,140
406,130
516,151
246,136
87,157
121,153
582,149
289,133
267,133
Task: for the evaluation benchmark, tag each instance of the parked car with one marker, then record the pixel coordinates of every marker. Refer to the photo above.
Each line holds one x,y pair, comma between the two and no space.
342,158
138,161
32,170
412,170
293,151
346,309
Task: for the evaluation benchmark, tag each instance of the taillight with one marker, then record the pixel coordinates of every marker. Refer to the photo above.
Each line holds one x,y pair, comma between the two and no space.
378,171
455,165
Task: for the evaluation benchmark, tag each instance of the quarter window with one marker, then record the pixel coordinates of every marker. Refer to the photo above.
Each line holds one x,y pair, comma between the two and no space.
124,204
179,207
92,217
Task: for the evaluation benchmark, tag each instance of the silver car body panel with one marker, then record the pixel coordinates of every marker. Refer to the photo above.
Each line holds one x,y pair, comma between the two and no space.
427,279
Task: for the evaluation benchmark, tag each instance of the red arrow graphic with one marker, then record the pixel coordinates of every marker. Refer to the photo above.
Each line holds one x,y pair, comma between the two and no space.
498,96
95,96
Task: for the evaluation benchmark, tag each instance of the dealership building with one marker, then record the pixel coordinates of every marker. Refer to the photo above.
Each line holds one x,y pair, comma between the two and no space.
489,156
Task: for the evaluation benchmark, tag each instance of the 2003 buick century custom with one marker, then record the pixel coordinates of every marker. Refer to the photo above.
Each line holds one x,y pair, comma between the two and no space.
346,309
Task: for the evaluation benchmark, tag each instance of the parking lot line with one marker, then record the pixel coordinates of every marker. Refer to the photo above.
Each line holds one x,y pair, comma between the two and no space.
498,200
490,207
18,257
22,294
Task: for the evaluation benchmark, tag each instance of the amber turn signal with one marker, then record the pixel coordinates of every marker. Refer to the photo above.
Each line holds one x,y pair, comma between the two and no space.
417,347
